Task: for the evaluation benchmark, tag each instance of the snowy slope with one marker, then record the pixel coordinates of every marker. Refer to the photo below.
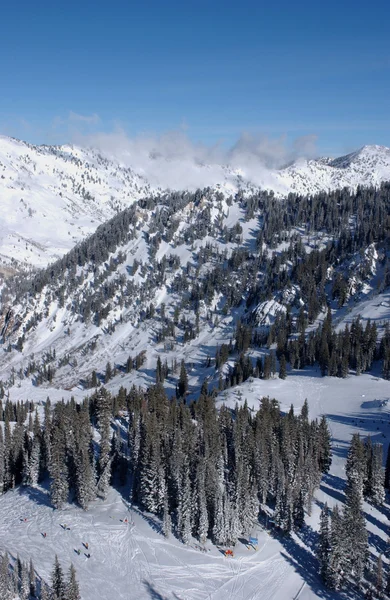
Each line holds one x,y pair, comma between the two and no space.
368,166
53,196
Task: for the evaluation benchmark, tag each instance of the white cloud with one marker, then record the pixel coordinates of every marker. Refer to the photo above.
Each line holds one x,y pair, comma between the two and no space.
93,119
173,160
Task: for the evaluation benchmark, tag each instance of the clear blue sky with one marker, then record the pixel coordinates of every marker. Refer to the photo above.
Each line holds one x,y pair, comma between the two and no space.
215,67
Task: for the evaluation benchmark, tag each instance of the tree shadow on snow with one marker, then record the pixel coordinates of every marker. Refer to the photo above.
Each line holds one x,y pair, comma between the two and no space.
36,495
334,481
306,564
153,593
154,522
373,424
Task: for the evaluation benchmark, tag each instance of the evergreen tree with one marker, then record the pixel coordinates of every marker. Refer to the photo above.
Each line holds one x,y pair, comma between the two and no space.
34,462
183,380
324,547
167,521
24,582
379,583
59,485
72,587
354,532
356,466
337,560
324,446
103,403
58,583
282,367
32,579
387,471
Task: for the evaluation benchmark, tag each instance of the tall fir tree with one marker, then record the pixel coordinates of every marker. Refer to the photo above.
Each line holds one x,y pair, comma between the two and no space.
324,546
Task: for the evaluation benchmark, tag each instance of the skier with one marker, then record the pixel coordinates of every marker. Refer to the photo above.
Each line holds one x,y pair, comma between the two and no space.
44,534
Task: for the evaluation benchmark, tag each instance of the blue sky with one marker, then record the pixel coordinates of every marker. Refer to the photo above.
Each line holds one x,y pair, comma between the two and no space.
213,69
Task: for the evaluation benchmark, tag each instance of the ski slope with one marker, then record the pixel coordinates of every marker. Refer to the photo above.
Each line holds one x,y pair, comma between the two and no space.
135,562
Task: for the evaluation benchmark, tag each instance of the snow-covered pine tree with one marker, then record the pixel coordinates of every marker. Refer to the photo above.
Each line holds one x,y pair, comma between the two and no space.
356,465
59,485
103,405
337,550
354,531
387,470
379,582
182,385
85,479
202,523
377,495
57,578
34,461
32,579
46,593
219,526
1,461
324,546
184,516
5,588
72,586
8,462
324,446
46,437
299,510
167,521
24,582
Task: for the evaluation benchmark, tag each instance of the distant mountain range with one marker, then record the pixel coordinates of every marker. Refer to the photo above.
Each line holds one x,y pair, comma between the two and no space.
53,196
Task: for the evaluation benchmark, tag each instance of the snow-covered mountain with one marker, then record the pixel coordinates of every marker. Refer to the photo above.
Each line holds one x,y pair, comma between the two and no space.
53,196
368,166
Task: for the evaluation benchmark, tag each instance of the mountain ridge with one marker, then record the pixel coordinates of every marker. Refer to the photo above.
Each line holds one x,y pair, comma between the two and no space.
54,196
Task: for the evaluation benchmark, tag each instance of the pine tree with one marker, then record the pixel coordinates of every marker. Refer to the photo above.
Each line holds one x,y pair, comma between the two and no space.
108,373
24,583
324,546
299,511
377,489
104,462
324,446
379,584
58,584
203,519
32,579
72,587
34,462
356,465
387,471
184,506
59,486
167,521
5,589
45,592
182,385
1,461
354,531
85,479
282,367
337,560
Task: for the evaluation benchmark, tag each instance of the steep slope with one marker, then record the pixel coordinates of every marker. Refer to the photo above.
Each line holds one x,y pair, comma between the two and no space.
368,166
172,276
51,197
